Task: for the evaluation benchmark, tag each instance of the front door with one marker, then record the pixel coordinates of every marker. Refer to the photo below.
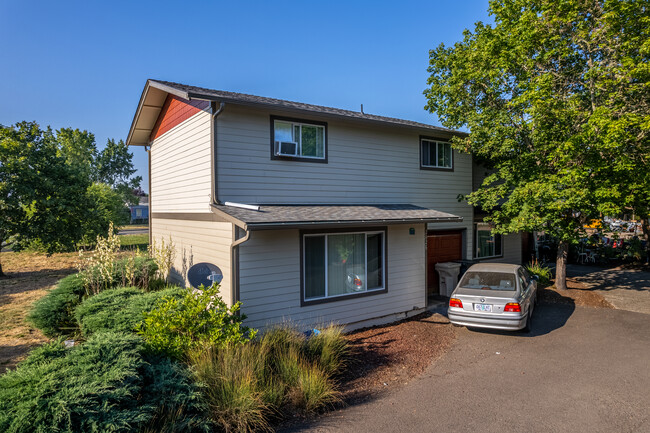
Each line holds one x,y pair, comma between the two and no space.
442,246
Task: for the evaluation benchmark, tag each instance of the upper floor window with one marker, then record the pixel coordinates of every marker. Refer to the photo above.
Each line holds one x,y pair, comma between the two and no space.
298,139
435,154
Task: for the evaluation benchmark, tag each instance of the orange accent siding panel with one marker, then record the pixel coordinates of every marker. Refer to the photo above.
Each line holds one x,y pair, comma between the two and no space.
174,111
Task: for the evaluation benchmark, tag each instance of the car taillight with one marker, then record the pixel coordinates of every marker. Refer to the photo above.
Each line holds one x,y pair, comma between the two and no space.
457,303
512,307
357,282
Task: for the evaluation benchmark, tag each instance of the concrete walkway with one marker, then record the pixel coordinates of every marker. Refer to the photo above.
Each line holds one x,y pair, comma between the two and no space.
625,289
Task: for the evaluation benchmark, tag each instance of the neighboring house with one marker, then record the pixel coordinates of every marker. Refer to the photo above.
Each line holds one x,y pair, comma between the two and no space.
140,211
311,213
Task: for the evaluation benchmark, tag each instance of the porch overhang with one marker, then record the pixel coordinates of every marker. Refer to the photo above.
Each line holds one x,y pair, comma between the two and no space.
277,217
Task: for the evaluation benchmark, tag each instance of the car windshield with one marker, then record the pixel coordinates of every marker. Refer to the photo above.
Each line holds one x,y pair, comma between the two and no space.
488,281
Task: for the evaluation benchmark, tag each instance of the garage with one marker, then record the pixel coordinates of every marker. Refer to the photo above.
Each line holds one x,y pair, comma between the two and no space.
442,246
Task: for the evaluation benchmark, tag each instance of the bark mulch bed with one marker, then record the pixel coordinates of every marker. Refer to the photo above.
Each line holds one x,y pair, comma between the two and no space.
577,293
387,357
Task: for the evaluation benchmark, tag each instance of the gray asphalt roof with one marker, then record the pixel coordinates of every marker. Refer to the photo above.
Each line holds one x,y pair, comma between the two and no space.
289,216
194,92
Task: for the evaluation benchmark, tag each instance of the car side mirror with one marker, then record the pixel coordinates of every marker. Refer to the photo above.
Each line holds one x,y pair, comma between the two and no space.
535,277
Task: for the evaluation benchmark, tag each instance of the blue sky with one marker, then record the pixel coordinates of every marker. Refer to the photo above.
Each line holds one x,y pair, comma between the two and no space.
83,64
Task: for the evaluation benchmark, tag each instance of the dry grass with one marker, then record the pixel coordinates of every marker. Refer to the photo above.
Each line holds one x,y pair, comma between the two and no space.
29,277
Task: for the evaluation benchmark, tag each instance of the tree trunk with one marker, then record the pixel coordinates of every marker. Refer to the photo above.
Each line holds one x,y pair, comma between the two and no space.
2,274
560,265
645,226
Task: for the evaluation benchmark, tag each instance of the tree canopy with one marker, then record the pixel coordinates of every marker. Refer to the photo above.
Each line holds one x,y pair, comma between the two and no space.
555,95
57,189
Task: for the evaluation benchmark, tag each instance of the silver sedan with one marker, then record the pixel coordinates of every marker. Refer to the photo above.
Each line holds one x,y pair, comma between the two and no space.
494,295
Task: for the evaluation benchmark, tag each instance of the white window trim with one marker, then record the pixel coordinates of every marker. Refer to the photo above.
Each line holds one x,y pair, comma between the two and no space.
326,235
476,256
437,143
298,140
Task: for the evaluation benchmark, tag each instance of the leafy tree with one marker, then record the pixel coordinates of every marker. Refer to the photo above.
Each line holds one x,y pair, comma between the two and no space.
114,166
23,149
555,96
39,193
78,148
51,190
107,205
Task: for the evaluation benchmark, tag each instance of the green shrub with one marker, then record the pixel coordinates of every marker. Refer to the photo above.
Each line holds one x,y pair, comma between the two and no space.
543,273
54,313
103,385
200,319
119,309
179,405
137,271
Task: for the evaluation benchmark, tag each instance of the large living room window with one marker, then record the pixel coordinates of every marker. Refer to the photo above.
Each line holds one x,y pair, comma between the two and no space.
435,154
298,139
488,244
336,265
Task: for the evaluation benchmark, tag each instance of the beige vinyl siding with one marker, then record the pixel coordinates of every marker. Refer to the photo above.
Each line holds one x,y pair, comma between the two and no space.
366,165
196,242
270,281
180,167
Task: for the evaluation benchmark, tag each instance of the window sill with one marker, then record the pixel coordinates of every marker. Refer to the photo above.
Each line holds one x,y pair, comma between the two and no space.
299,159
306,303
428,167
489,257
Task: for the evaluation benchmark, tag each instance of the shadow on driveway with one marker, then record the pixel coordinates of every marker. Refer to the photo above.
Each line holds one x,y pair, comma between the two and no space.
547,318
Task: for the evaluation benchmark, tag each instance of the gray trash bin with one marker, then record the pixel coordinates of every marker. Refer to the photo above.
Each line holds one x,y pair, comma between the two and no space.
448,277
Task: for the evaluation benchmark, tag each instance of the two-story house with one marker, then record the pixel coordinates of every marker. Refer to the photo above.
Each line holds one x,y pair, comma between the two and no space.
310,213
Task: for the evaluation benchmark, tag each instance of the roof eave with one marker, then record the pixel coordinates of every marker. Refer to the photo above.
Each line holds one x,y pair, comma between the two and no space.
285,225
149,84
346,223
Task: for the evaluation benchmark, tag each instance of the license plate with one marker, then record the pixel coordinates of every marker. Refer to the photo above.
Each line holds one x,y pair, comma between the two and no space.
483,307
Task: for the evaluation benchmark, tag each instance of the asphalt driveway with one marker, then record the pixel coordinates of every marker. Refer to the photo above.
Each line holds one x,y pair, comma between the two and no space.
581,370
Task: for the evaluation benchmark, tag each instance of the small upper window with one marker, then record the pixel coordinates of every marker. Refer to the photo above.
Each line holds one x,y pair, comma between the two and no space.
297,139
435,154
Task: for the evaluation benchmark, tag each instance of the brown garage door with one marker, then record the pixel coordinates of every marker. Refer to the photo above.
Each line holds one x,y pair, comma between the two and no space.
442,246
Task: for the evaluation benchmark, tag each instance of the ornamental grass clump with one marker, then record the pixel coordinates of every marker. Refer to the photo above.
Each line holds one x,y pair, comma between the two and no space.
97,268
163,253
233,380
329,349
314,389
543,273
248,385
199,320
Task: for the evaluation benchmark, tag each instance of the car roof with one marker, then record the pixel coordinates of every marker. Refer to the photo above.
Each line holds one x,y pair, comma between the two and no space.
494,267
